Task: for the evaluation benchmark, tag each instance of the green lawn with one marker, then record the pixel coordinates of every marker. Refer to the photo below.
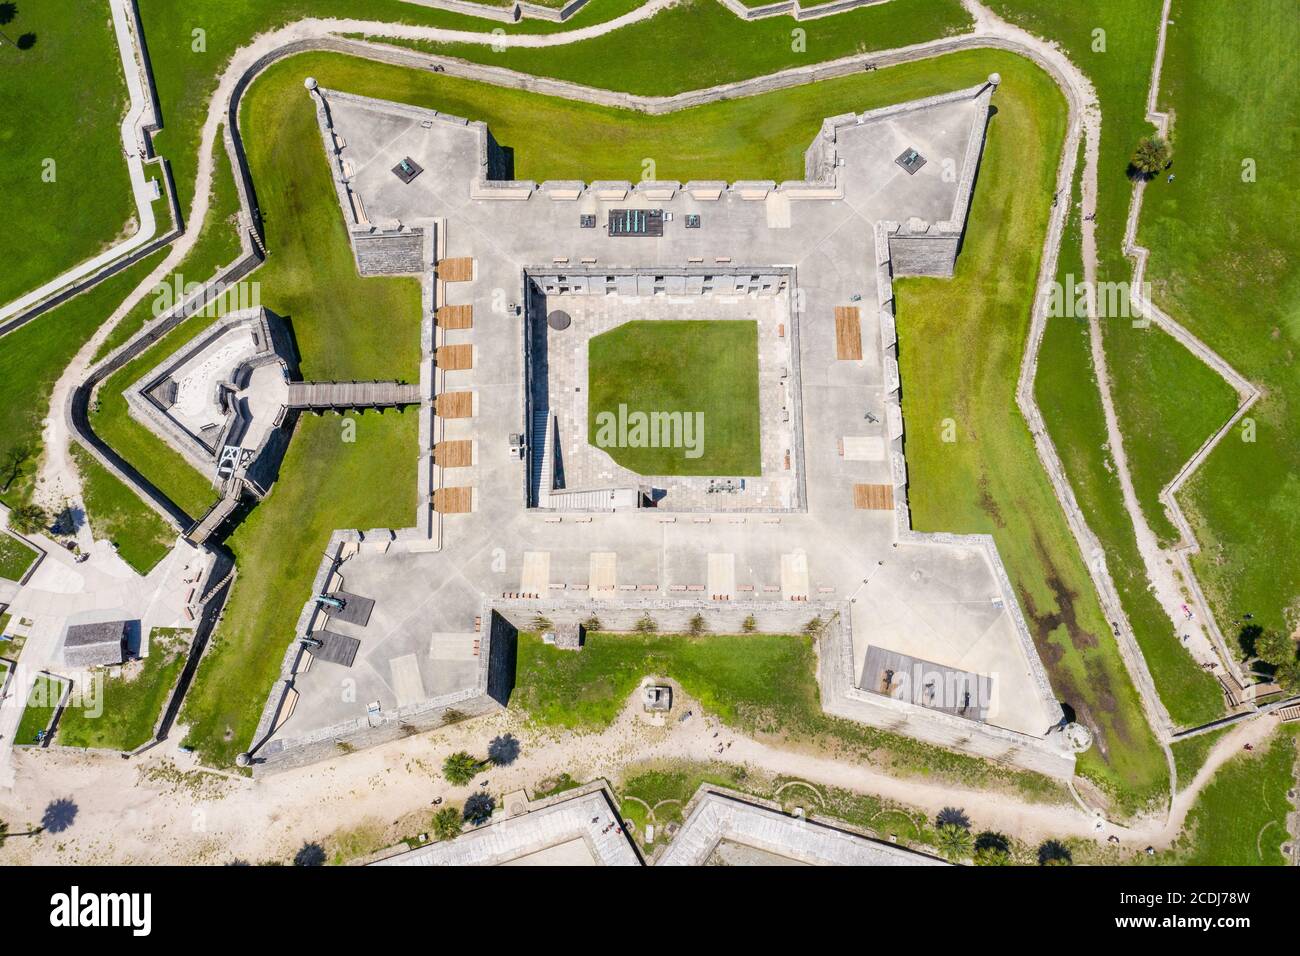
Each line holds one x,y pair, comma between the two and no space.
700,43
676,397
1239,819
990,479
63,100
763,684
42,705
1191,753
140,535
31,360
1223,263
123,715
15,557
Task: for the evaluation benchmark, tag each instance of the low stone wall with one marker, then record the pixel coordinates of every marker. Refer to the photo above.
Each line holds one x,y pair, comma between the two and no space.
793,8
388,253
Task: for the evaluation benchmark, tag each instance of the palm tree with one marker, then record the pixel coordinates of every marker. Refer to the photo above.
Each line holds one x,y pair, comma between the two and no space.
446,823
955,842
459,768
28,519
1151,156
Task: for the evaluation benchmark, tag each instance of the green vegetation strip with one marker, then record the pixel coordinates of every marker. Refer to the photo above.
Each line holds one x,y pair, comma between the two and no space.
42,706
117,514
643,373
759,683
122,713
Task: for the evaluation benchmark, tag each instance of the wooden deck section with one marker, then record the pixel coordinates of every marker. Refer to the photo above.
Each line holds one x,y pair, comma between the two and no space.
455,317
456,270
351,394
454,358
873,497
454,405
453,501
848,332
454,454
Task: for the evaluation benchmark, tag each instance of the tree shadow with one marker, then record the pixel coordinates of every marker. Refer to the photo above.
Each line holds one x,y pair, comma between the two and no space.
953,815
504,750
990,840
311,854
478,808
1054,853
7,13
59,815
26,41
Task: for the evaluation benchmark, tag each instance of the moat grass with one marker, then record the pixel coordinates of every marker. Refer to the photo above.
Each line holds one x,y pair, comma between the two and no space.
762,684
117,514
990,479
131,702
683,367
1066,391
15,557
1240,818
57,216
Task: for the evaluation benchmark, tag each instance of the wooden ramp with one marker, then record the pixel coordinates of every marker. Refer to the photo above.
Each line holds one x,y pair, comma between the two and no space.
456,317
221,509
454,358
873,497
848,332
351,394
453,501
454,405
456,270
454,454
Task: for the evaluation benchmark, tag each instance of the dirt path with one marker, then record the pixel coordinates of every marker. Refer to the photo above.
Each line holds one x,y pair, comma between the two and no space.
159,809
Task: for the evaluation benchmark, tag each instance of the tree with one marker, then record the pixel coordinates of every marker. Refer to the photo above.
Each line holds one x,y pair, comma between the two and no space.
4,833
459,768
992,849
593,624
29,519
955,842
814,627
698,625
1279,651
447,823
646,625
750,625
1152,155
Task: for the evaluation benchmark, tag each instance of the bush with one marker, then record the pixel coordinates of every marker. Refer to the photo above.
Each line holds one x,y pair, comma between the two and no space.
646,625
1152,155
447,823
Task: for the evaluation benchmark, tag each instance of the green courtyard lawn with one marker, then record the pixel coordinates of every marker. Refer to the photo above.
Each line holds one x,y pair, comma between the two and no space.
704,373
1191,753
127,709
54,112
763,684
1223,263
278,548
15,557
42,706
1240,818
116,514
990,480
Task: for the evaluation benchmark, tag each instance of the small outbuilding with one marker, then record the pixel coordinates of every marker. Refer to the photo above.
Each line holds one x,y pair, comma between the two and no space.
95,645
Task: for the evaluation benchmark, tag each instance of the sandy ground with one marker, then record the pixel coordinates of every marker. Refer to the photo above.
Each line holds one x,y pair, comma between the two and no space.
160,808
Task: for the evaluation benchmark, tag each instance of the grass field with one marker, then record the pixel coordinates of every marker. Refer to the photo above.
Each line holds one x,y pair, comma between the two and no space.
706,372
90,186
116,514
759,683
15,557
990,480
700,43
1239,819
1223,263
131,705
31,360
42,705
1190,755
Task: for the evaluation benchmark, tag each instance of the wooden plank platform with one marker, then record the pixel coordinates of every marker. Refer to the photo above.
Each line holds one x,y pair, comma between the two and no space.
455,317
451,501
454,358
351,394
873,497
456,270
454,405
454,454
848,332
